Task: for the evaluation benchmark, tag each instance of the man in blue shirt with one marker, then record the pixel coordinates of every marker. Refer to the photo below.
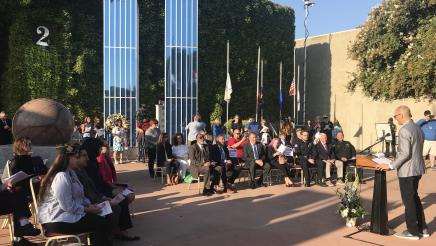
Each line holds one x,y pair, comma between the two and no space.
428,126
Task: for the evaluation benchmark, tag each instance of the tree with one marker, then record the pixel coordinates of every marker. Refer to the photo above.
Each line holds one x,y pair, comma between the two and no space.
395,51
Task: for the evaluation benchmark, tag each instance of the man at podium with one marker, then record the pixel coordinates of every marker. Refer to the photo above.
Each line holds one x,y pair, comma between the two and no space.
410,167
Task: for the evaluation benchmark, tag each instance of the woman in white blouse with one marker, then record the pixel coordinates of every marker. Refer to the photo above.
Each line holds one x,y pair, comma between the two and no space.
64,209
180,154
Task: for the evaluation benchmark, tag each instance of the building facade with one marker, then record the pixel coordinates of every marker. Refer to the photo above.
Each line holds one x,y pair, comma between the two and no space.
120,59
181,64
329,69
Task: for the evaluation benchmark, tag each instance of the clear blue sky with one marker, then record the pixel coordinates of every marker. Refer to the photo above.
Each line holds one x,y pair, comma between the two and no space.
329,16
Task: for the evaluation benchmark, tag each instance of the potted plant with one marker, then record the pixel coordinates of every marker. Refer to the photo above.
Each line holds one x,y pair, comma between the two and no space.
350,207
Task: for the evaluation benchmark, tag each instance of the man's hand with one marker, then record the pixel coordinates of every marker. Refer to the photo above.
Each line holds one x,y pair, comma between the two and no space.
206,164
7,186
343,159
383,167
93,209
259,162
353,158
311,161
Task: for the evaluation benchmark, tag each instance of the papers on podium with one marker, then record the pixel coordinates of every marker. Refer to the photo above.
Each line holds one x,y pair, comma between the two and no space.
105,208
20,176
381,159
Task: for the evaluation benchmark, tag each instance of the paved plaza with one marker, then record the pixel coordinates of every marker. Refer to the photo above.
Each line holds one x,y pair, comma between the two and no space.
275,215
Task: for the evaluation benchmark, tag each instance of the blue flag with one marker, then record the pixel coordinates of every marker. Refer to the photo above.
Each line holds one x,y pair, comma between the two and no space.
281,99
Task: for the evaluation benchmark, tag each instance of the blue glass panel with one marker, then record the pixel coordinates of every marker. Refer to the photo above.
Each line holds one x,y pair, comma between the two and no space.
174,116
189,23
111,18
168,70
195,22
194,73
173,14
106,72
111,67
123,22
184,71
134,71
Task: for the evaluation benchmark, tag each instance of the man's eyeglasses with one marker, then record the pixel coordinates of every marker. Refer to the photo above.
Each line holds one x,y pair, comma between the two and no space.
395,116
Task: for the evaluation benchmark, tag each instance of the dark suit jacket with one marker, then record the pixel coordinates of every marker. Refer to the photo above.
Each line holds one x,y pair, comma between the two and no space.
215,153
5,135
319,153
160,152
198,157
249,155
344,149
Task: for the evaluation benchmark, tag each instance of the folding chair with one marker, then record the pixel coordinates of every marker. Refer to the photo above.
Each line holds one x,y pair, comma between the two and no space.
161,171
50,240
8,221
198,182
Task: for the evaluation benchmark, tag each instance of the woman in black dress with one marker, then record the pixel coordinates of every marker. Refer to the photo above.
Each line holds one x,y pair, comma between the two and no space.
278,161
165,159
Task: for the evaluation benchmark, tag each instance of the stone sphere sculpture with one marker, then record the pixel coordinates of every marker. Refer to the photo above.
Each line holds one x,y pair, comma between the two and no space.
44,121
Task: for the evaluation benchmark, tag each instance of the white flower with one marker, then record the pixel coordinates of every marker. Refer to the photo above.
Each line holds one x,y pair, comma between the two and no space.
344,213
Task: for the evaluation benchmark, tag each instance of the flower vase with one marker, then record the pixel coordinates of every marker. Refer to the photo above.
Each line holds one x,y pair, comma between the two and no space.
351,222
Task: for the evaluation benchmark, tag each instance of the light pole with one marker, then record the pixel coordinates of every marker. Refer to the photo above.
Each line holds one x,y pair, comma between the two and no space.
307,5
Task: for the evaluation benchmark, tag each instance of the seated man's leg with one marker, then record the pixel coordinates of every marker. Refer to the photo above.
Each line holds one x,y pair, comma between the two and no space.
224,175
205,171
320,170
339,169
266,169
216,175
305,166
252,168
232,173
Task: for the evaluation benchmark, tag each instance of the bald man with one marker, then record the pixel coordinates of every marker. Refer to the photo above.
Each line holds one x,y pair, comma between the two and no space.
410,167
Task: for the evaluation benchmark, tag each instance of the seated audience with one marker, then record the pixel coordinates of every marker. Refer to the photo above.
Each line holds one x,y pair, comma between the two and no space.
17,204
230,171
23,161
346,153
254,157
106,166
278,161
180,154
303,153
237,142
200,164
283,140
64,209
165,159
323,154
121,214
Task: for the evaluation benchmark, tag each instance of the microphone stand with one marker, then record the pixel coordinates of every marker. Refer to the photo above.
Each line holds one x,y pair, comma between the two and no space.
372,145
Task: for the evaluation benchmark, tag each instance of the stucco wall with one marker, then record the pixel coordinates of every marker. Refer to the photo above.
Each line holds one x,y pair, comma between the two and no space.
328,71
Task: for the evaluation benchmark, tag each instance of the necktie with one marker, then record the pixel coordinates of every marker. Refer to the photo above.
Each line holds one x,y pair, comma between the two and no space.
256,156
223,155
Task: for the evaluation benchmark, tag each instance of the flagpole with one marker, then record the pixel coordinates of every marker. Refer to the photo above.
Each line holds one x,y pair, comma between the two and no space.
257,83
261,91
281,97
227,115
295,65
297,91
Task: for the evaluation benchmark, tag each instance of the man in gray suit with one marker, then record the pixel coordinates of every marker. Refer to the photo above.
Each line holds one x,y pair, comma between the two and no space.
410,167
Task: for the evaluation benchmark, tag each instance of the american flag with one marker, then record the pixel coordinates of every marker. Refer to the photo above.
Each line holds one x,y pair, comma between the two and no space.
292,89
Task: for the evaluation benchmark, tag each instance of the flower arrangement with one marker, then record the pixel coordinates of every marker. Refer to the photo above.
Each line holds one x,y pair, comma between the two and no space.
350,207
112,119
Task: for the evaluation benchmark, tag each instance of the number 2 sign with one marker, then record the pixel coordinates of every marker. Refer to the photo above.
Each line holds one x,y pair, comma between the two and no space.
42,30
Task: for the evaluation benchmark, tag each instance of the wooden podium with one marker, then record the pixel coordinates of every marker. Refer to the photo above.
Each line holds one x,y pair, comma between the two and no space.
379,211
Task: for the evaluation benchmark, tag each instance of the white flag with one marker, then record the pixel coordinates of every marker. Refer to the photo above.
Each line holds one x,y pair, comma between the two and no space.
228,91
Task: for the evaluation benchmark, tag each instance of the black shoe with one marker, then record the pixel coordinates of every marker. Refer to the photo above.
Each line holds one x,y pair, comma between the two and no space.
252,185
321,184
265,184
27,230
23,242
259,182
307,185
207,192
232,188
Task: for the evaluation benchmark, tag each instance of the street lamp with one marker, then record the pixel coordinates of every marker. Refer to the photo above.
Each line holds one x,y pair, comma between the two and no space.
307,5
